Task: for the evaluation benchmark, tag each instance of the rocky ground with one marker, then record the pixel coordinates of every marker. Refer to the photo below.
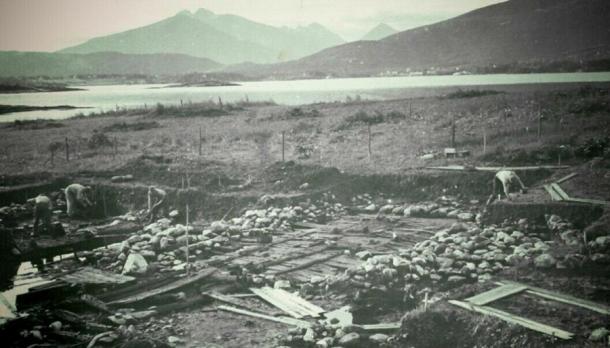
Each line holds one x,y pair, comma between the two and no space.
413,280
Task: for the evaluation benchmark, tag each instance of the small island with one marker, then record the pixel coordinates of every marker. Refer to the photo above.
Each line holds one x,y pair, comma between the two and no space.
7,109
9,87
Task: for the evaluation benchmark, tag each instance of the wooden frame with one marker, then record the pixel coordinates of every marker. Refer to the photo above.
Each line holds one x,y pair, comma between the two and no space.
478,303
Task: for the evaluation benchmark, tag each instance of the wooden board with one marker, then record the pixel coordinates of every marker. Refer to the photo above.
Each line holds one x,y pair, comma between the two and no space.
560,191
381,327
284,320
596,307
289,303
554,195
514,319
496,294
589,201
164,289
566,178
90,275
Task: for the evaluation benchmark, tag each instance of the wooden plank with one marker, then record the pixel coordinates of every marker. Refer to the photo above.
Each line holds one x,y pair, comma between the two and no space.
283,320
514,319
164,289
309,263
575,301
566,178
301,301
277,302
560,191
554,195
90,275
495,169
381,327
301,307
496,294
589,201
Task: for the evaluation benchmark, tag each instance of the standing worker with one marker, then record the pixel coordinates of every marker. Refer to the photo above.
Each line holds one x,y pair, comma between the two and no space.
42,213
77,199
508,179
156,201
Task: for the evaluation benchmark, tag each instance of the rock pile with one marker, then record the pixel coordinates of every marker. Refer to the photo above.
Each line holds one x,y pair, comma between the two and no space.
443,207
462,253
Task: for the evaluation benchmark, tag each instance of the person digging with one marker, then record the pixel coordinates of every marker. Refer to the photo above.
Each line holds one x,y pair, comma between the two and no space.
77,199
508,180
42,214
157,200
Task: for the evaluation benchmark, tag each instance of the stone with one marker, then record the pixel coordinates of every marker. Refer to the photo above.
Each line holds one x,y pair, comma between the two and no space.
174,213
371,208
55,326
135,264
326,342
173,340
349,340
379,338
310,335
465,216
599,334
545,261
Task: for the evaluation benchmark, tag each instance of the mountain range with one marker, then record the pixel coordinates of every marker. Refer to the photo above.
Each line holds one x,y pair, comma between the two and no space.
511,32
227,39
379,32
13,64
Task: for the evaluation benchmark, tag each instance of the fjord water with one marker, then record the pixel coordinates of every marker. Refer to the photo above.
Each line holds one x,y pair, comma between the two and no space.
293,92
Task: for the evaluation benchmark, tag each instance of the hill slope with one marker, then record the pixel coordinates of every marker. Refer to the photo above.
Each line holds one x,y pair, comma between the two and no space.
227,39
379,32
25,64
517,31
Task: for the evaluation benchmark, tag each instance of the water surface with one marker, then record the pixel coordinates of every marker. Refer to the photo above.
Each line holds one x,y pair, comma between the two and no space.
104,98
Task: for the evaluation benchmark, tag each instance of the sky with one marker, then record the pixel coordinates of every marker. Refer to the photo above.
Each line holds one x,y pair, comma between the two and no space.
49,25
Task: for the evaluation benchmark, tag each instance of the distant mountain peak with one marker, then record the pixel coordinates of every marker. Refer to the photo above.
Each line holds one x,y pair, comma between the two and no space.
379,32
202,13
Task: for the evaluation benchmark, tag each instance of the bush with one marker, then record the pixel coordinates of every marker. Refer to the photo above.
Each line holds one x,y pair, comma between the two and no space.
99,139
594,147
471,93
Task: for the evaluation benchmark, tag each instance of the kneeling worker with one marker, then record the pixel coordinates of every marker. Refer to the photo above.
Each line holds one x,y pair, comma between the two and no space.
508,179
77,199
156,201
42,213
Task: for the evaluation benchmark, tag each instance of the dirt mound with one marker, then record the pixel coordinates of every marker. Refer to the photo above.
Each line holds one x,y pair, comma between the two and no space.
161,170
446,326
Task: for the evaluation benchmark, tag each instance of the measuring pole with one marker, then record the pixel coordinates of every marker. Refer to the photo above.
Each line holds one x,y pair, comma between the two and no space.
187,232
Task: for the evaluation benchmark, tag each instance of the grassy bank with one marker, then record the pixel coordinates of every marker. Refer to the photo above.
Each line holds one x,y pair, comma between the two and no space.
518,126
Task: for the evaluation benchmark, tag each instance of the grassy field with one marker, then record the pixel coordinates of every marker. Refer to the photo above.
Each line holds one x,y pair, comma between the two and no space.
521,125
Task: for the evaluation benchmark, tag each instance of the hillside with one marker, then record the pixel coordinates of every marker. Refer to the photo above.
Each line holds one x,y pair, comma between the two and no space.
379,32
228,39
58,64
513,32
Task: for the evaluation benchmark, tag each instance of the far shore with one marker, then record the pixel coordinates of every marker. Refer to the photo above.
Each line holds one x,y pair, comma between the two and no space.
7,109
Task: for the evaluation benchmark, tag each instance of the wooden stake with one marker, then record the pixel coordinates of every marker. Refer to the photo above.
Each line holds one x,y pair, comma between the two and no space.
200,140
369,133
283,146
539,125
187,229
67,151
484,142
453,131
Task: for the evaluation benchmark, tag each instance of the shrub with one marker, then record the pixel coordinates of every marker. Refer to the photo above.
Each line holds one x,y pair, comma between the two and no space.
98,139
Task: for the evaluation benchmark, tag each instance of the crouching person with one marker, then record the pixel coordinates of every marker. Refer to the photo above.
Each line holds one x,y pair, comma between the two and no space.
508,180
77,199
157,200
42,214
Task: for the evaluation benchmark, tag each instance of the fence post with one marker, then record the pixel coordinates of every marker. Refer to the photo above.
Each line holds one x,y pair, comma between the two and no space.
67,151
484,142
539,125
52,156
453,131
283,143
369,136
200,140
